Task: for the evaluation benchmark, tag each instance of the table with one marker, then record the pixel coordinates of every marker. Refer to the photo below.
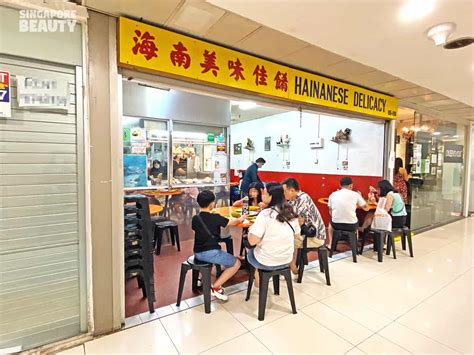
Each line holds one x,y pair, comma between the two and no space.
166,194
325,201
227,213
154,209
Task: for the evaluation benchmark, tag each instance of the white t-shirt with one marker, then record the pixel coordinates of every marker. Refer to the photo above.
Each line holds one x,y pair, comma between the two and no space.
277,238
343,204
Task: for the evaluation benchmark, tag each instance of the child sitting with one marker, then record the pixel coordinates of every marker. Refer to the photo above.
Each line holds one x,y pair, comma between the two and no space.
207,230
254,196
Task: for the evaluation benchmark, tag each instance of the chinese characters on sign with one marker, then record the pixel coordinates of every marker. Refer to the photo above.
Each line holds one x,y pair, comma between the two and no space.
155,49
145,45
209,63
179,56
5,100
237,69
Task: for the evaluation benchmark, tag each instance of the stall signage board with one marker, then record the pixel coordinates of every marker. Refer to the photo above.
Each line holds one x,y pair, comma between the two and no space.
154,49
34,92
5,95
453,153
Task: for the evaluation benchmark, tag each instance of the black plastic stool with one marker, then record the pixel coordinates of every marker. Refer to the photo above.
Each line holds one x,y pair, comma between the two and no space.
302,260
263,287
350,236
379,240
198,267
404,233
160,227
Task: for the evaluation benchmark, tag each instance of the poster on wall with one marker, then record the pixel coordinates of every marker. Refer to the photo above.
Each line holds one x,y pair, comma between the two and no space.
237,148
34,92
425,166
417,158
453,153
126,135
5,97
268,144
134,170
220,169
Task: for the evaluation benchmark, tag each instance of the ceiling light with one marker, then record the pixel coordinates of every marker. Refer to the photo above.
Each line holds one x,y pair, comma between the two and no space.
247,105
455,136
436,133
441,32
415,9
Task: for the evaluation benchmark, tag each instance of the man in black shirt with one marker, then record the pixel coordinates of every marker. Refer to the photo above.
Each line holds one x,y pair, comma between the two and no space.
207,230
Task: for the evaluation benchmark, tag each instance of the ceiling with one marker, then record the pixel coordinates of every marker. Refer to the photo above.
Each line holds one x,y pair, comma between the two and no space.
419,83
239,115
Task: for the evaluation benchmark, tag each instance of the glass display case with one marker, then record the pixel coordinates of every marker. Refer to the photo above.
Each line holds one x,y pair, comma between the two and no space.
199,155
192,155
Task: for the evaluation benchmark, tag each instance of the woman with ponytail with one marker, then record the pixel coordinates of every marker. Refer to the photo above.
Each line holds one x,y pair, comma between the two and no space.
273,232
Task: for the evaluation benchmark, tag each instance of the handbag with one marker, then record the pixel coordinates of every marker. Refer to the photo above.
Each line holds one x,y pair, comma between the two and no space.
382,219
308,229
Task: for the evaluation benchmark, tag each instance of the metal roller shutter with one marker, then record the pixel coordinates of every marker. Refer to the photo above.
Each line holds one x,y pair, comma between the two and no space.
42,252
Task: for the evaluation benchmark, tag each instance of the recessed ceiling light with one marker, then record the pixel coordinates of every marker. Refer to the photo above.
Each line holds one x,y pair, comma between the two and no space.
415,9
441,32
436,133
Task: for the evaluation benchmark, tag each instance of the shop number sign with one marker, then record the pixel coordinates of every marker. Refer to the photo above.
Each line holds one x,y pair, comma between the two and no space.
150,48
5,94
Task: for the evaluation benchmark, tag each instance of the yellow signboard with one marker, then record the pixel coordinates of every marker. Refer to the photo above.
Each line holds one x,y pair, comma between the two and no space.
151,48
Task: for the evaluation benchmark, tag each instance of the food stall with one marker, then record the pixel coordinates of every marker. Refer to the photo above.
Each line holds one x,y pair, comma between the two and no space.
174,144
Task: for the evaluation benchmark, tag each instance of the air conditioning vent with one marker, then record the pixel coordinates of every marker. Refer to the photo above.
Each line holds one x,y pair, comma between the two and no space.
459,43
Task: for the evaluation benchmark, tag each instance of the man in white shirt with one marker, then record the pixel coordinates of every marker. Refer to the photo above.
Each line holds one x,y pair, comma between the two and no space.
342,208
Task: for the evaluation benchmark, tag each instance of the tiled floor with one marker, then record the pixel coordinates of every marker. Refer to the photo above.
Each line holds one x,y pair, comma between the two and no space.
409,305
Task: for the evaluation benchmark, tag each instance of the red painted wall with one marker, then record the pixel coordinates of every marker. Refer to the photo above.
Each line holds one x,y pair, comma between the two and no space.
318,185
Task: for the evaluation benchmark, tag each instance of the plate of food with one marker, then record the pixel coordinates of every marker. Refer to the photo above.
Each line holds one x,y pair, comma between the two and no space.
253,212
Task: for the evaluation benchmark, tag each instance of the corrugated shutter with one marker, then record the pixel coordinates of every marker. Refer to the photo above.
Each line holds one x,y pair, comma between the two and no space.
42,292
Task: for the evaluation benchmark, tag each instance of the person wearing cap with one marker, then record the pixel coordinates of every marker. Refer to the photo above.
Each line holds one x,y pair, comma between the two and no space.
251,176
342,208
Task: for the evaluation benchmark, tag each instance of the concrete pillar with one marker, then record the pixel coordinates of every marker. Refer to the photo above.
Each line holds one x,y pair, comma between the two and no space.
106,174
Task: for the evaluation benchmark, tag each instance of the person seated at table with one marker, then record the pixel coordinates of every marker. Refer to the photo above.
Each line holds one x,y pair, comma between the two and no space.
254,196
394,204
207,230
311,223
273,232
342,208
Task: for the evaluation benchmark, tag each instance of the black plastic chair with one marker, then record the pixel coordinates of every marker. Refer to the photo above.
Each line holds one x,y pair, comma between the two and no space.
265,277
380,236
350,236
139,244
302,260
160,228
198,267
